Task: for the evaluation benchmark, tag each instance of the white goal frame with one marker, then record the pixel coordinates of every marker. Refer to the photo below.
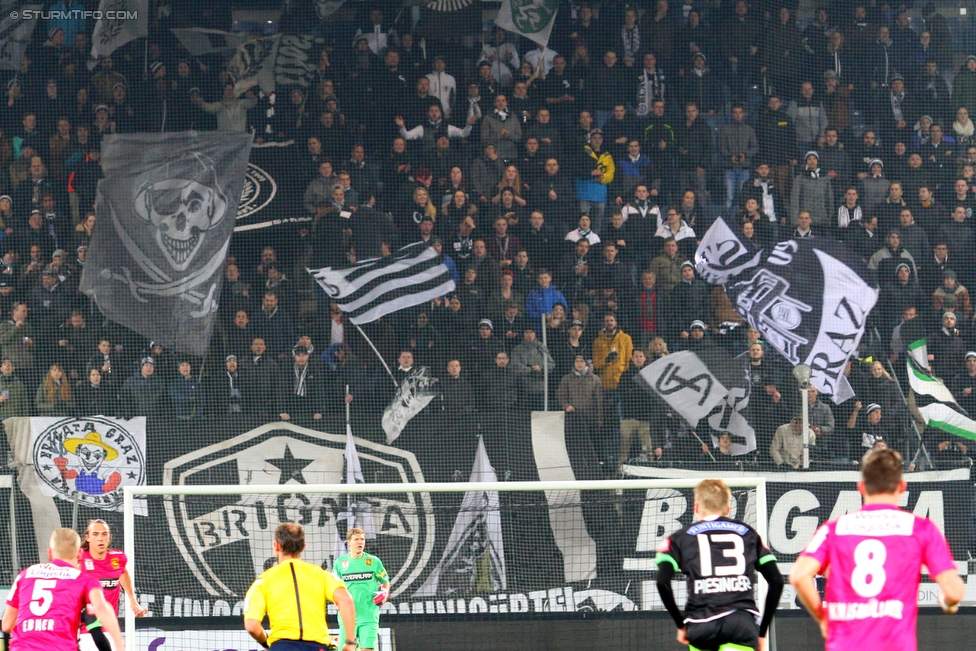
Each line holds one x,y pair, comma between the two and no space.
130,493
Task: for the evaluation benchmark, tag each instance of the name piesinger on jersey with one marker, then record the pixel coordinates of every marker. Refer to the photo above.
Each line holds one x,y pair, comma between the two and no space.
718,584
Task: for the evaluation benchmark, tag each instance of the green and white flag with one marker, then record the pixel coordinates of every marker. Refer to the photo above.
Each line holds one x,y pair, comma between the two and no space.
532,19
936,404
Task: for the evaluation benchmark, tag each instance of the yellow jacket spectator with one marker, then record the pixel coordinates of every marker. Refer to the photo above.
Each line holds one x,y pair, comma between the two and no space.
611,352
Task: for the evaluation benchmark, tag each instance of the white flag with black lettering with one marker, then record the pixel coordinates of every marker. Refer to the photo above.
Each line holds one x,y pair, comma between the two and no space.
808,297
706,385
374,288
474,558
413,394
122,21
15,33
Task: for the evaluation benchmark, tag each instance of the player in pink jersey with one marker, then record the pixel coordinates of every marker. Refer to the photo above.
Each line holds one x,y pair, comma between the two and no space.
108,566
873,561
43,611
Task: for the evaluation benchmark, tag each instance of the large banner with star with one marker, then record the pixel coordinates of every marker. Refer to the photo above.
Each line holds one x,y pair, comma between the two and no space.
526,552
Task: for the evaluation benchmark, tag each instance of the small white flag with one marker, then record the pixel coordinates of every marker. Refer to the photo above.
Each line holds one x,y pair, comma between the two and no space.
122,21
475,552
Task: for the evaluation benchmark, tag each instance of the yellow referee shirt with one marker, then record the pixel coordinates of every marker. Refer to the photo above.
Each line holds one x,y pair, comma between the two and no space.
294,594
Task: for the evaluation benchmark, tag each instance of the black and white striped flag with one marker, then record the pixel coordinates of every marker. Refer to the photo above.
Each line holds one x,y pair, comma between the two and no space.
374,288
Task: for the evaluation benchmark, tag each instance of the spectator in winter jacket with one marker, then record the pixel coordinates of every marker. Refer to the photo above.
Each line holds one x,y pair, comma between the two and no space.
231,112
738,145
594,173
186,394
611,352
693,140
531,359
952,296
703,87
964,86
637,410
667,265
874,188
502,129
835,162
143,393
541,300
813,193
13,394
581,392
887,259
777,143
809,117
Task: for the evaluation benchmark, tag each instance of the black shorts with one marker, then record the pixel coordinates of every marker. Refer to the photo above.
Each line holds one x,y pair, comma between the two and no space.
298,645
739,629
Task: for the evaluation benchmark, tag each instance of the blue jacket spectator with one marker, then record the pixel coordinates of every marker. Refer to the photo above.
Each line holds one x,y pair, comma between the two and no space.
542,300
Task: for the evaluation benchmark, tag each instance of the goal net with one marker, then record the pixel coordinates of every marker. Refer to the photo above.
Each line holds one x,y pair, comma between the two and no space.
470,563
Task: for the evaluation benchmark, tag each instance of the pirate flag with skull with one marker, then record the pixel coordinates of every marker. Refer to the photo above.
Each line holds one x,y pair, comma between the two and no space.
166,210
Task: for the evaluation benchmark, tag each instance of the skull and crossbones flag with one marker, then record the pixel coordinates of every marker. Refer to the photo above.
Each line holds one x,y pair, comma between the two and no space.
166,210
808,297
707,384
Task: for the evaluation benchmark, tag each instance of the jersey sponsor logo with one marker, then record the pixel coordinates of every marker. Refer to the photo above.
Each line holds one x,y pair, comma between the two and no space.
887,522
873,609
226,542
358,576
715,584
89,459
109,584
718,525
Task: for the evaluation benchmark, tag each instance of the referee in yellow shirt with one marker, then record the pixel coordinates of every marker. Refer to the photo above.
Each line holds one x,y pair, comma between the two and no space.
294,594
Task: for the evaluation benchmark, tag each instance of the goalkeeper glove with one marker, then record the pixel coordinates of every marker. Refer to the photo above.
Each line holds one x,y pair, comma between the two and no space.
381,596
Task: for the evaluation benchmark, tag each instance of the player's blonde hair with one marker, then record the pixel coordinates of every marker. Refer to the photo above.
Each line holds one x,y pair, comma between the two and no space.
64,544
713,496
354,531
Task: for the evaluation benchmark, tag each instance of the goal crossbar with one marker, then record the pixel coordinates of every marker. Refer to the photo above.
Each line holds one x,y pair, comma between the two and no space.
130,493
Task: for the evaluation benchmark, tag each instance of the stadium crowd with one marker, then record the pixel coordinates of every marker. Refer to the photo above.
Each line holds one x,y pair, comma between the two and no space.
566,185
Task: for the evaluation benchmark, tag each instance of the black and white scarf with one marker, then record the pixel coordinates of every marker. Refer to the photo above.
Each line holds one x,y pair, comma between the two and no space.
501,115
631,39
651,88
300,376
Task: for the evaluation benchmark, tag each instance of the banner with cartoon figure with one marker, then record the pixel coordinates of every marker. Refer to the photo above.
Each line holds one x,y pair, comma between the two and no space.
89,460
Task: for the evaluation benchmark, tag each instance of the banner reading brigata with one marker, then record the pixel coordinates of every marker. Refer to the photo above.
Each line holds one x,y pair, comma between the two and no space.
506,553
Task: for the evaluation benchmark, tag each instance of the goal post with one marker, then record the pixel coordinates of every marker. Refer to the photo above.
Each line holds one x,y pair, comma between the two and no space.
214,518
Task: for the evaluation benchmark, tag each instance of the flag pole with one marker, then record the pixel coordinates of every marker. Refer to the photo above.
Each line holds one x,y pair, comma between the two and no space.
380,357
348,421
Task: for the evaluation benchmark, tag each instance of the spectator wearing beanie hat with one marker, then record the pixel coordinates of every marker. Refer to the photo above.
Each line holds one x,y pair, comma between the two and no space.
813,193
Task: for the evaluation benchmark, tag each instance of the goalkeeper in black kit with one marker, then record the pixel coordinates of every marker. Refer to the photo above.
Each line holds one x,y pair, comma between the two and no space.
720,557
